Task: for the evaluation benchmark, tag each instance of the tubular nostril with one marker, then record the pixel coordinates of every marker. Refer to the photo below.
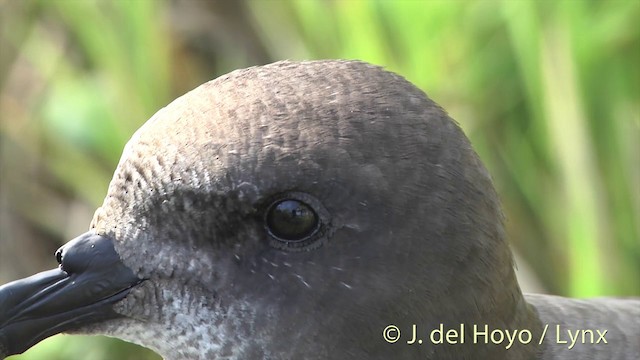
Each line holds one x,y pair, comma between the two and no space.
59,256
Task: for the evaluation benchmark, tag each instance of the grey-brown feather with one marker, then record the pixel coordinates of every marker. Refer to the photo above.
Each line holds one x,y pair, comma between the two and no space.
603,328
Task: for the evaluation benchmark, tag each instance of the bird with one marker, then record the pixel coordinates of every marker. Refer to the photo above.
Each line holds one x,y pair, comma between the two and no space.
323,209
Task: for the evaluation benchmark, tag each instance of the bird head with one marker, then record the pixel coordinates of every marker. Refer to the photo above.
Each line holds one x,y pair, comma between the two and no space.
292,210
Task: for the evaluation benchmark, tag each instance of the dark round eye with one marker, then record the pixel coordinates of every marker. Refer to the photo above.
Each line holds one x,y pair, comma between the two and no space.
291,220
296,221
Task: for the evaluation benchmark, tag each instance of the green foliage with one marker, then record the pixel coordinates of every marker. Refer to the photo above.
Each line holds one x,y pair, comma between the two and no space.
546,90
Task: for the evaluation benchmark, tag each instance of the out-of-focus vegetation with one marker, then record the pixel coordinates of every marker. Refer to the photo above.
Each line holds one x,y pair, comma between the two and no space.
548,92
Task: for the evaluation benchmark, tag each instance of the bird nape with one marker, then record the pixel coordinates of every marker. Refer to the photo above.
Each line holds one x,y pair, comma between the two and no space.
306,210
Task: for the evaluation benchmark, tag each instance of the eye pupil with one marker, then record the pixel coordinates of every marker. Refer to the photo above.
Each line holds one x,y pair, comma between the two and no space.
291,220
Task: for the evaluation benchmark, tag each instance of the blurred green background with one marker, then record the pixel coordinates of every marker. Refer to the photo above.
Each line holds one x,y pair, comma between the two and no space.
548,92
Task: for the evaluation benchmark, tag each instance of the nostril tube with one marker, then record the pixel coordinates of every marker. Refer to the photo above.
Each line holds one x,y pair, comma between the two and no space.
59,256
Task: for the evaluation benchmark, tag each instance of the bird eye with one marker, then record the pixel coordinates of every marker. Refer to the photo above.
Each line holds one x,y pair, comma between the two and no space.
295,221
291,220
